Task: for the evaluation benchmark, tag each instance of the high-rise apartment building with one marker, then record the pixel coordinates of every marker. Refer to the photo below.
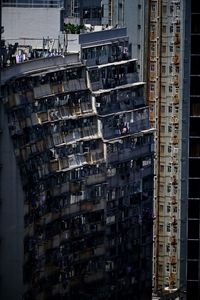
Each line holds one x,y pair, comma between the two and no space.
162,33
84,11
134,16
84,148
192,61
167,93
158,30
170,40
115,13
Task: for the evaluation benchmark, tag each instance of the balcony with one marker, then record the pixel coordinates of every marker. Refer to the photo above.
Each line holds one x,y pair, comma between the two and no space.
64,113
128,154
123,100
112,75
96,178
74,85
50,89
29,67
120,125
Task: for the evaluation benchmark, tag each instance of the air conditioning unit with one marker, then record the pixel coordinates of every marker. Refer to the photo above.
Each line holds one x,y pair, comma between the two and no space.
175,80
173,240
175,140
175,59
176,149
174,180
175,99
177,39
174,200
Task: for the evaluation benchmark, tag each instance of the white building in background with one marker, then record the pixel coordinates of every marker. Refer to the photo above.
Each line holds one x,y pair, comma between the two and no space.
34,23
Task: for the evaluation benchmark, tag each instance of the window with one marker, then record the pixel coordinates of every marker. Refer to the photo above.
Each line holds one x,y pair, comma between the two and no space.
151,108
167,267
162,168
170,69
174,249
161,188
167,248
161,227
96,13
153,27
164,29
164,48
152,87
176,109
178,29
161,247
162,108
174,268
169,149
86,13
169,128
163,69
152,67
175,189
153,48
168,208
164,9
162,148
162,128
169,188
175,167
170,109
168,227
163,89
170,88
169,169
171,48
160,268
153,7
171,28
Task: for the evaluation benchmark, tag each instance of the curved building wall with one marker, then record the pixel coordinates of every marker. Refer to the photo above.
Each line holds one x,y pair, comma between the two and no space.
11,219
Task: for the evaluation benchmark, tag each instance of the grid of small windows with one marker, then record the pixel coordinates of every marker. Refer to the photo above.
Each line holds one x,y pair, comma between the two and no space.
32,3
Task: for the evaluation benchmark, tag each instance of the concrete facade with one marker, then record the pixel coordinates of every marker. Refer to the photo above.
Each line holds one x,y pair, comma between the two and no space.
133,15
28,26
11,218
85,151
167,67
